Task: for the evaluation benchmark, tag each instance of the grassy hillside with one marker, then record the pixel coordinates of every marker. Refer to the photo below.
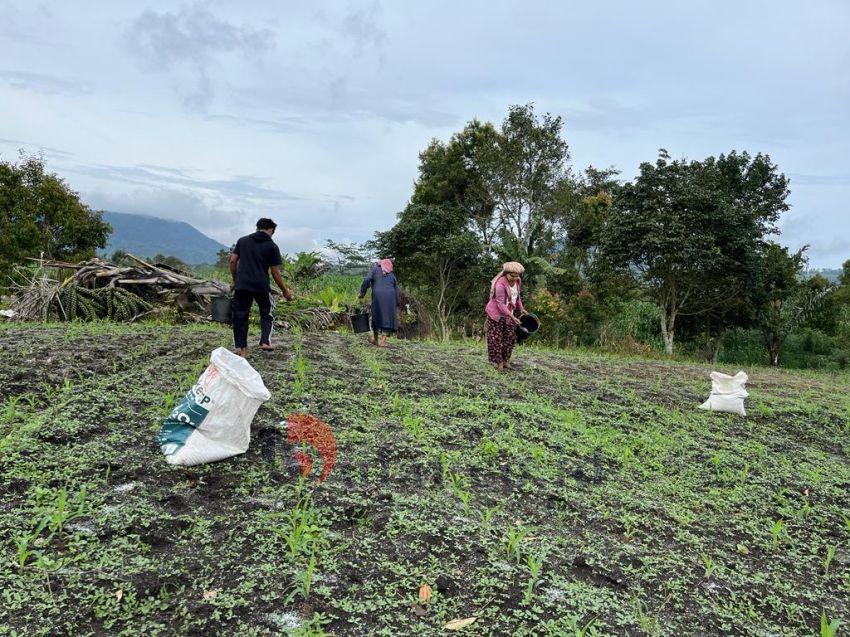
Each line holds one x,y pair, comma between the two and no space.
579,491
147,236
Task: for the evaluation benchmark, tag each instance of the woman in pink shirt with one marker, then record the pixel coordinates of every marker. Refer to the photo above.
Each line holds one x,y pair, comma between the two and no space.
505,299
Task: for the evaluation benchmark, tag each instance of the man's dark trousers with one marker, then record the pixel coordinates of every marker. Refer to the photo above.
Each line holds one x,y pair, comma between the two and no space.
241,305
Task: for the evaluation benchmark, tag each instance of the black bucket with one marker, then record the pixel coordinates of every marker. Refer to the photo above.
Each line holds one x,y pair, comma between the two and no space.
360,322
222,312
528,325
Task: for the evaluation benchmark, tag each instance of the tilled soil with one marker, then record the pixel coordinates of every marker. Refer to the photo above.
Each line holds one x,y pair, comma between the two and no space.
577,491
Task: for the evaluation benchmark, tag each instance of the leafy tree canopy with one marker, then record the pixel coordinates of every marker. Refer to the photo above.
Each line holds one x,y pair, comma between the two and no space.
39,213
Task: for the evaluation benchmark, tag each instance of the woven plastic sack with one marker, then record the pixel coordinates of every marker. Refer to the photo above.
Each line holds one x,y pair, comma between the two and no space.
727,393
213,420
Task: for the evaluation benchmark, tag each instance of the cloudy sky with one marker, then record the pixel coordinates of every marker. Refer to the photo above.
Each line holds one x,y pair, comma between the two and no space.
313,113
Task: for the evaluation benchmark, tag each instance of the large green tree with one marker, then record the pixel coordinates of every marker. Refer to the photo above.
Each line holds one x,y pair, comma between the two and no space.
521,166
783,300
448,175
39,213
690,231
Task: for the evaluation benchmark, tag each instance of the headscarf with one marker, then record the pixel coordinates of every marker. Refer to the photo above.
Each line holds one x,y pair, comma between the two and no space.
386,266
511,267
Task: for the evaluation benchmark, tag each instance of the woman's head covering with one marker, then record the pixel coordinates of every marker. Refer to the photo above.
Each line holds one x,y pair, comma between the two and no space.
386,266
512,267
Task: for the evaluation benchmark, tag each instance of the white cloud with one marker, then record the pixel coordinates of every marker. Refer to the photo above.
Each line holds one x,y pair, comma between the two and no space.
315,114
187,43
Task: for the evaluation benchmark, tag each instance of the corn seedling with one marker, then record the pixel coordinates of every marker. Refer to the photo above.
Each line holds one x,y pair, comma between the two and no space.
487,518
630,526
743,474
804,511
413,425
828,628
513,541
57,508
778,532
304,579
299,528
648,624
535,568
457,485
715,462
22,545
830,554
709,564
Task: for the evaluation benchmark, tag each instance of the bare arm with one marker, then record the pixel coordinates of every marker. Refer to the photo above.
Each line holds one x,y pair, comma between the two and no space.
234,259
279,281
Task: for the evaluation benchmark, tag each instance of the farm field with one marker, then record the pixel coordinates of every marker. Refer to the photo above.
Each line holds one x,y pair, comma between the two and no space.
581,494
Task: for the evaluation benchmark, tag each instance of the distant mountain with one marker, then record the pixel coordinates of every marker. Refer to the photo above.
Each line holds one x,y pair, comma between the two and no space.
146,236
831,275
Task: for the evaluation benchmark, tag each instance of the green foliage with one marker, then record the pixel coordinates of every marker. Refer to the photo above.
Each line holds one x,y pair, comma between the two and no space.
828,628
687,230
39,213
635,322
437,255
303,267
499,451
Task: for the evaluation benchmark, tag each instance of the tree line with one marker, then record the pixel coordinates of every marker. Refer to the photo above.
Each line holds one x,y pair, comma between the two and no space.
683,257
688,244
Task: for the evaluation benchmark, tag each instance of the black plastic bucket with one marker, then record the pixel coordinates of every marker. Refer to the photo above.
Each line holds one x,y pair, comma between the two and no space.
222,312
360,322
528,325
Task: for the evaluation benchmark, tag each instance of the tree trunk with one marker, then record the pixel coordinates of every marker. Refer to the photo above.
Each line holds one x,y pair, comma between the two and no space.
667,329
712,343
774,349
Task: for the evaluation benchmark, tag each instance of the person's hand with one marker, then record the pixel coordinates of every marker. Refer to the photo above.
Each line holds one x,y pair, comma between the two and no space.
524,312
233,286
516,320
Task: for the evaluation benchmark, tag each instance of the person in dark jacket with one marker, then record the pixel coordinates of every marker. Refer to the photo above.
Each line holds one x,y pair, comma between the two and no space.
384,301
253,257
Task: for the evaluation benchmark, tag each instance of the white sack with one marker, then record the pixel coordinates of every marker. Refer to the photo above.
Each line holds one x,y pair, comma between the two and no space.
213,420
727,393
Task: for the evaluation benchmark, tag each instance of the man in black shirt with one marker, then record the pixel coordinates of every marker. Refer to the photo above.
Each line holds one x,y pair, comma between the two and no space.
253,257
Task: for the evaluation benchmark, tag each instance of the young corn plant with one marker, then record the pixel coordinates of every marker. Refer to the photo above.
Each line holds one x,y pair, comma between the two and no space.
513,541
299,385
299,528
630,526
648,623
778,533
24,541
535,569
58,508
414,426
458,486
709,564
487,518
743,474
715,462
830,554
304,580
828,628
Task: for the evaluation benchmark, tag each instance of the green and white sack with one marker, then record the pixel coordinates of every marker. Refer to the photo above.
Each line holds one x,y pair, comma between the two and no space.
727,393
213,420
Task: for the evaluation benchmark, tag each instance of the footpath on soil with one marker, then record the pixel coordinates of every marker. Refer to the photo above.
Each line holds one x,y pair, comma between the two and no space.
579,493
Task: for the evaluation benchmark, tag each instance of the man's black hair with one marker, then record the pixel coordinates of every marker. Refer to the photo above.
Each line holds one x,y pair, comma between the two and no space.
266,224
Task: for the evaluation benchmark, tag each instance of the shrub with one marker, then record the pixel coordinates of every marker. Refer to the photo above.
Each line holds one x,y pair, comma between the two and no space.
633,329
